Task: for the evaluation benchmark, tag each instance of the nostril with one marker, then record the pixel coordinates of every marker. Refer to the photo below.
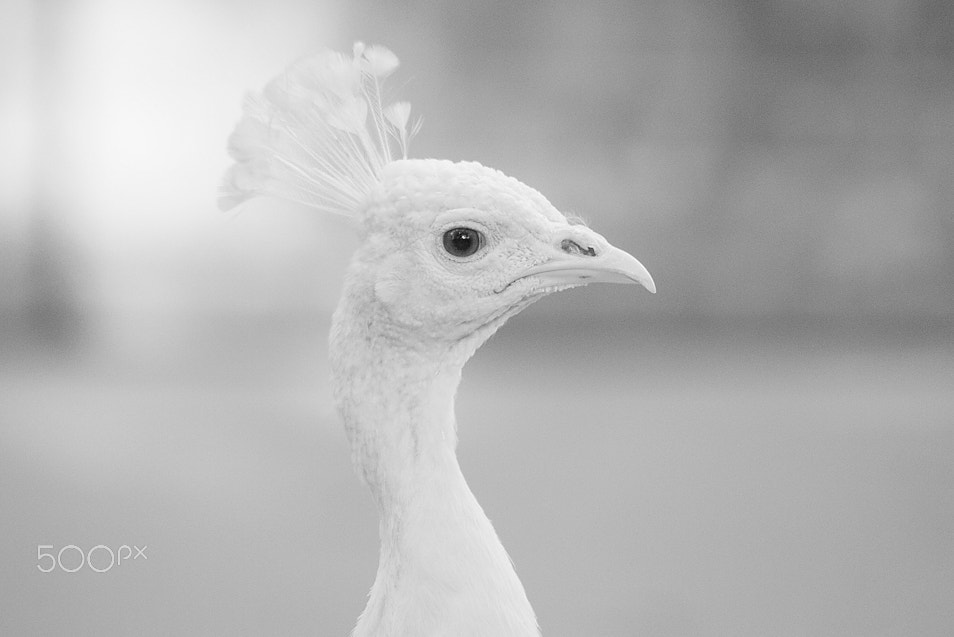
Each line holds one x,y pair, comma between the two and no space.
572,247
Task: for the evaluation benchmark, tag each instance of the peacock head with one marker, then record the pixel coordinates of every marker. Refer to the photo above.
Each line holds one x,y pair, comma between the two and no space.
451,247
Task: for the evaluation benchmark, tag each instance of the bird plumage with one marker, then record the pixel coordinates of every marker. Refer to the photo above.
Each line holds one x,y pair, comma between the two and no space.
320,132
449,251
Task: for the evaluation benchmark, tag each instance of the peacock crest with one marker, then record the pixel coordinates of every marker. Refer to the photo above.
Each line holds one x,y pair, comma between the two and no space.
320,133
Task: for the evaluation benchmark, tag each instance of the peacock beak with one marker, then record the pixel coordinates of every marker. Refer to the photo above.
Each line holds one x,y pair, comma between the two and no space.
586,257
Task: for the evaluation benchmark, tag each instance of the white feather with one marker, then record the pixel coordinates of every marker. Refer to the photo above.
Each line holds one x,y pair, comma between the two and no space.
319,133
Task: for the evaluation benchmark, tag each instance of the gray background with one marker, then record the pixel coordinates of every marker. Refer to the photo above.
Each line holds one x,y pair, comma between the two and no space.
762,448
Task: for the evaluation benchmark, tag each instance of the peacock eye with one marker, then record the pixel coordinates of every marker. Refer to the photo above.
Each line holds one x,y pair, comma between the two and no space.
462,242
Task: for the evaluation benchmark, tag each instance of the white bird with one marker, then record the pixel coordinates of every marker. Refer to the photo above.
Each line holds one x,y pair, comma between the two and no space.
449,251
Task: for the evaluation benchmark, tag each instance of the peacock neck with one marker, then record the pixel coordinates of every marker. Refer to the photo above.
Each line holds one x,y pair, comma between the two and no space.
442,569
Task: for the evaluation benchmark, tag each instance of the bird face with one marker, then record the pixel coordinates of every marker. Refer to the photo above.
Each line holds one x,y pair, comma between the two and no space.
455,247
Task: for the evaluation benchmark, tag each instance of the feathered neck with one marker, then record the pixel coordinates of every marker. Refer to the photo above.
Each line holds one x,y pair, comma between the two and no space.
442,569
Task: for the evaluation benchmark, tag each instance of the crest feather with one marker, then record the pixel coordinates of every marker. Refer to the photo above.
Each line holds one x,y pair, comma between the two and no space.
319,134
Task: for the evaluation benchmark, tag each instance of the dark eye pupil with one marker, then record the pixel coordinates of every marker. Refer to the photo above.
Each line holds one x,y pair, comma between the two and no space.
461,242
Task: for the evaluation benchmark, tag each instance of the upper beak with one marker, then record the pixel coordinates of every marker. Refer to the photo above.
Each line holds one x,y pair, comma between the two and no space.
583,256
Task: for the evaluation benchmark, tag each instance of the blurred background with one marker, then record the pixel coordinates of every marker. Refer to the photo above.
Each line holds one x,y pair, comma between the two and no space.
762,448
